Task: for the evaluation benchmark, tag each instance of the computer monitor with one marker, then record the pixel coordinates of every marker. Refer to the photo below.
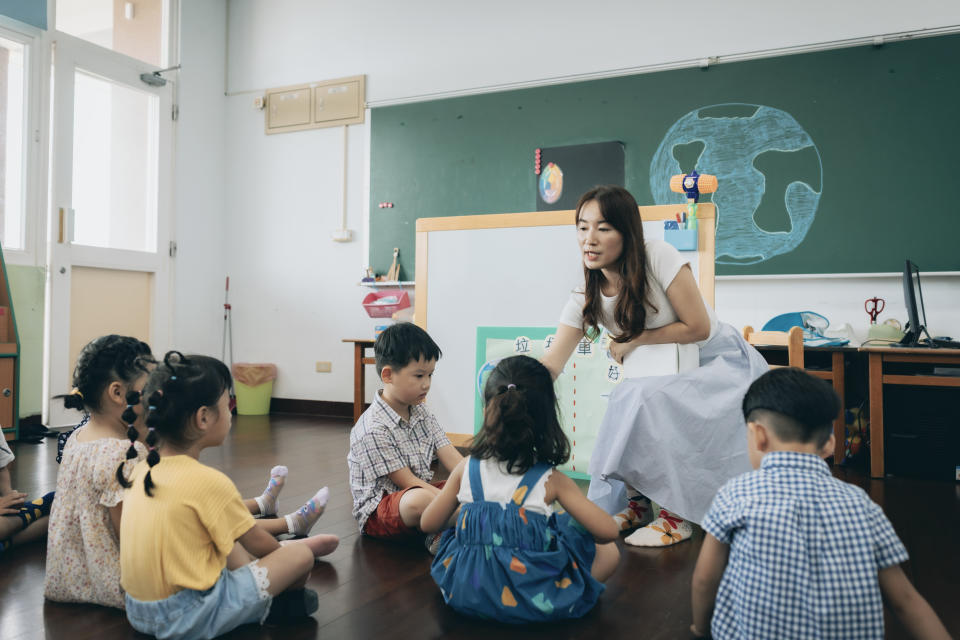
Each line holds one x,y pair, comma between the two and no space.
912,294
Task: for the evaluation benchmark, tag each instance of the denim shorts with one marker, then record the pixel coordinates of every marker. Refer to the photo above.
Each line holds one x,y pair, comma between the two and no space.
238,597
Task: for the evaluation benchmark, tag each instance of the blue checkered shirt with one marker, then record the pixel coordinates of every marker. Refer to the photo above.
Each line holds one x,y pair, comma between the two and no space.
805,550
382,442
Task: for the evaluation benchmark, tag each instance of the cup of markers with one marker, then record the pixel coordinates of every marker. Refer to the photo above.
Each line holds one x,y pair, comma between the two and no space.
682,232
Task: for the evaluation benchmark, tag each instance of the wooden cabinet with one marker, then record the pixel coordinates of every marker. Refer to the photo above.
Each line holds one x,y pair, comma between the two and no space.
9,360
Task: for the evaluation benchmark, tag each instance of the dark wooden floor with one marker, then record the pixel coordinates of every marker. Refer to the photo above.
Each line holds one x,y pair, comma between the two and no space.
373,589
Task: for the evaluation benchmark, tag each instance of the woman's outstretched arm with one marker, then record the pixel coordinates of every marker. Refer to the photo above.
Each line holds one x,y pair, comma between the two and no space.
562,348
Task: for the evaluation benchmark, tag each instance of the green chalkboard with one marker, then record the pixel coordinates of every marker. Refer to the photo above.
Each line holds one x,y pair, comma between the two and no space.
840,161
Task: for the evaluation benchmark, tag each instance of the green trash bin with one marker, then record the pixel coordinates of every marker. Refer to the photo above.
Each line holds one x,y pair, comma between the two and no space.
253,383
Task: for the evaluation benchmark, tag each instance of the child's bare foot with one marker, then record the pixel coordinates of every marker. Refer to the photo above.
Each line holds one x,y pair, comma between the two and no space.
322,544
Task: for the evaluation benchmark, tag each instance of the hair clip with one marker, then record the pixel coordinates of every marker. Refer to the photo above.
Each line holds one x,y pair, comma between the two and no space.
173,377
151,408
511,386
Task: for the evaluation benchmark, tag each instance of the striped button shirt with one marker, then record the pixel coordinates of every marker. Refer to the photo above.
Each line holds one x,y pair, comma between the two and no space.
382,442
805,550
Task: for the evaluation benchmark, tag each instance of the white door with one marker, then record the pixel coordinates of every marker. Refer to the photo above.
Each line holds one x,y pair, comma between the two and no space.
109,246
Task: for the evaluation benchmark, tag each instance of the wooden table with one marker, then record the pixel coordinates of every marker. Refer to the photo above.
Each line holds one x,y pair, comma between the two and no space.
360,360
917,356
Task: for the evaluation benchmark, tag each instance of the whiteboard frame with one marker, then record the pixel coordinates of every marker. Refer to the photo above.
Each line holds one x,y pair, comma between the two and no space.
706,241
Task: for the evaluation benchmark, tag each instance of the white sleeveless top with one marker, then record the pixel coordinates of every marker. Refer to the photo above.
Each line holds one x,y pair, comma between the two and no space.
498,486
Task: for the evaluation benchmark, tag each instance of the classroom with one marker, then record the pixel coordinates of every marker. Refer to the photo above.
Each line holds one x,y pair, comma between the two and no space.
171,173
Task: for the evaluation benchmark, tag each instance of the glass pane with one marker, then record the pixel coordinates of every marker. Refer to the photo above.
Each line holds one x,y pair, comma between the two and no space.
133,28
11,146
115,132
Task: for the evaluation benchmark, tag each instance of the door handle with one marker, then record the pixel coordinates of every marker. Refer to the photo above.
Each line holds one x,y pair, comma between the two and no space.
66,221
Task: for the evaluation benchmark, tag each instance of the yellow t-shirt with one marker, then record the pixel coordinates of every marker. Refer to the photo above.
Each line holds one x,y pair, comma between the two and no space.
179,538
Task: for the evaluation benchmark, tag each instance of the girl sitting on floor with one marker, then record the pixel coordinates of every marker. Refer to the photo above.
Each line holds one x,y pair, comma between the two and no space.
510,557
83,556
193,563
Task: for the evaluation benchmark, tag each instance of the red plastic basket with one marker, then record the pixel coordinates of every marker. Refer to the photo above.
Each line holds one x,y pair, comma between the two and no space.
378,308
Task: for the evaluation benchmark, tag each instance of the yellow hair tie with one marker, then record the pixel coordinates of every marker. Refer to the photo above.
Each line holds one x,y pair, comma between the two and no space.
76,392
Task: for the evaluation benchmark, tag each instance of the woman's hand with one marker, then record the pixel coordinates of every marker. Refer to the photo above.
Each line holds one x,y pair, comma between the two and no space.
620,350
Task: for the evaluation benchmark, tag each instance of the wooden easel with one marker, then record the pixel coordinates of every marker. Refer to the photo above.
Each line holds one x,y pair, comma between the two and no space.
393,274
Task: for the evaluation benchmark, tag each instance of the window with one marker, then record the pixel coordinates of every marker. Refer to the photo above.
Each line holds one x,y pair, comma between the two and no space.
135,29
114,165
12,152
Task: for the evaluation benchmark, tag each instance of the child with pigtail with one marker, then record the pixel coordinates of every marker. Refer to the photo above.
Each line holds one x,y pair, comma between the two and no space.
193,563
83,556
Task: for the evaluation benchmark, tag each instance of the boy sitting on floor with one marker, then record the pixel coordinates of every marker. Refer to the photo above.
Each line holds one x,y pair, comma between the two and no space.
397,439
20,521
790,551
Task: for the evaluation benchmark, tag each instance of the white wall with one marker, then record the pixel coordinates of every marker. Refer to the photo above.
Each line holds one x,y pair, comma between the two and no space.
295,294
200,213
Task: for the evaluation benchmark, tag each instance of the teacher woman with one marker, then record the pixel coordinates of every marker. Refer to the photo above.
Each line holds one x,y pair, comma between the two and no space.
670,439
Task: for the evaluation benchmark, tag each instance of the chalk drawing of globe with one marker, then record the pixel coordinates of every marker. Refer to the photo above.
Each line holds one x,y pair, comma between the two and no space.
731,144
551,183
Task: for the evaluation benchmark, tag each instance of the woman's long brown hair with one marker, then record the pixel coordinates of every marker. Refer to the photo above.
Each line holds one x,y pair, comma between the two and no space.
620,211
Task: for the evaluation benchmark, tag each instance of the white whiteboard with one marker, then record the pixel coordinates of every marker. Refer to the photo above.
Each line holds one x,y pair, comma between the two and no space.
517,276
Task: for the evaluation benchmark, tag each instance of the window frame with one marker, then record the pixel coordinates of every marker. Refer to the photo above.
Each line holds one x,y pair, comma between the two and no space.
34,174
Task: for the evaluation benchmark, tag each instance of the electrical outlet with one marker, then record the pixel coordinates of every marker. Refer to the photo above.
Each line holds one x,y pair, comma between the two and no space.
324,367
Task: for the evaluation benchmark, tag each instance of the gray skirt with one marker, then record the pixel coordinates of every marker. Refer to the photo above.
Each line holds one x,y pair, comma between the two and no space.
677,439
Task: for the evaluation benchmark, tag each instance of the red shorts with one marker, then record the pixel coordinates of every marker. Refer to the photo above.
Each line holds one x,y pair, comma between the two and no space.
386,522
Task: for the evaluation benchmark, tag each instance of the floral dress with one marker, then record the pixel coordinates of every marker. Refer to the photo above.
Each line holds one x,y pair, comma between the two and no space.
514,565
83,550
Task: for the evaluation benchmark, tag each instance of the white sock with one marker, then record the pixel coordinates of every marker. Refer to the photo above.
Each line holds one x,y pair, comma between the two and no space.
302,520
667,529
269,501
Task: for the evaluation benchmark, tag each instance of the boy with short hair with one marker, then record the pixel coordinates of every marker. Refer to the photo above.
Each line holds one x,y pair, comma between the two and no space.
397,439
794,552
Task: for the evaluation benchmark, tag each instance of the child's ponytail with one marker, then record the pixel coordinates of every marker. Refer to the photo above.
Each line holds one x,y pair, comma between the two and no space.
73,400
508,422
153,420
130,417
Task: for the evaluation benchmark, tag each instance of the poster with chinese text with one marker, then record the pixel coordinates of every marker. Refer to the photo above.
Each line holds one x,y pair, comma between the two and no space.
582,390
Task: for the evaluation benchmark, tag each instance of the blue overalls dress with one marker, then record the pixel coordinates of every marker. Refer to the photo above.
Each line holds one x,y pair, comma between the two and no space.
514,565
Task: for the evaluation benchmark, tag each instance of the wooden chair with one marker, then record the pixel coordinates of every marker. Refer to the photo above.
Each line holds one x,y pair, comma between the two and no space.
793,341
